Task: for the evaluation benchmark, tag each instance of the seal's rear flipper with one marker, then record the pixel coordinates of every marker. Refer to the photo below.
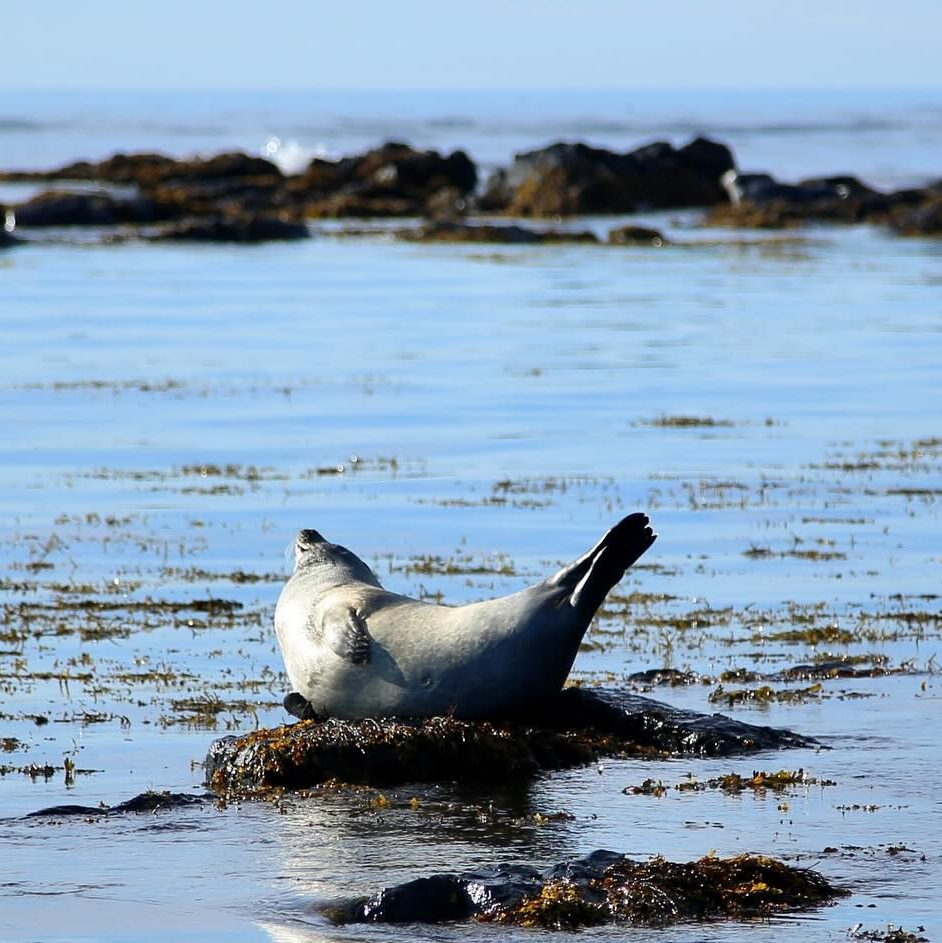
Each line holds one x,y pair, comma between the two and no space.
297,705
590,578
346,634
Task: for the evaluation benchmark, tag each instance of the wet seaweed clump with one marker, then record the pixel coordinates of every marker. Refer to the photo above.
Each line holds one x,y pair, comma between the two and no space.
890,935
759,782
764,694
602,888
576,727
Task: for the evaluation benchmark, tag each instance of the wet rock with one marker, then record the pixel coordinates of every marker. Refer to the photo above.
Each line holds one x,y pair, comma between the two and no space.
604,887
145,802
924,219
211,197
147,170
504,234
577,727
356,205
636,236
763,188
658,727
565,179
448,203
65,208
760,201
392,180
242,227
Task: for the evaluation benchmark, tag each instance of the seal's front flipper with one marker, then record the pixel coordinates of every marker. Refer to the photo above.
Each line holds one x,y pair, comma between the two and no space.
346,634
297,705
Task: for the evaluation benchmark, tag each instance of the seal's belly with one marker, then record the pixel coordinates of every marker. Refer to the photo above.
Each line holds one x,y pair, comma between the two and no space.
474,661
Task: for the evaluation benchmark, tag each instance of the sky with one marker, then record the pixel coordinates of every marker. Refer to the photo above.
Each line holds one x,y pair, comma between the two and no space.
417,44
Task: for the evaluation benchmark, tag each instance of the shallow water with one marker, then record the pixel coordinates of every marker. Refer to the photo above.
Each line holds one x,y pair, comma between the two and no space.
173,415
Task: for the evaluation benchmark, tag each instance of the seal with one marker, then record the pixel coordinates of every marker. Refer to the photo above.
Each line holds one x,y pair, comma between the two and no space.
353,650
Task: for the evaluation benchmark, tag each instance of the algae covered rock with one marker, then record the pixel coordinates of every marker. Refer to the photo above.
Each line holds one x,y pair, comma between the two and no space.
577,727
604,887
566,178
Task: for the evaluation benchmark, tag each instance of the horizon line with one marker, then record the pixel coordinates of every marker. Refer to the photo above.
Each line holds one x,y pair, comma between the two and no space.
388,90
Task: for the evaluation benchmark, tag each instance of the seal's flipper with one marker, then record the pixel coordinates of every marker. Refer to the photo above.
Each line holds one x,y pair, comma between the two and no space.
297,705
590,578
346,634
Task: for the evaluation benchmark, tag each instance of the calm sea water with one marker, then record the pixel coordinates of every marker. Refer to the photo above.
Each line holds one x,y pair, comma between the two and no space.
890,138
171,414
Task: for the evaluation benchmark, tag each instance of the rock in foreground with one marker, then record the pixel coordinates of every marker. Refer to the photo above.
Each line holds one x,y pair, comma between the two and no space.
578,727
603,887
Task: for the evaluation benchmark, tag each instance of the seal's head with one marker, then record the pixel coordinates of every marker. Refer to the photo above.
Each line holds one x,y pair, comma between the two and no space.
313,551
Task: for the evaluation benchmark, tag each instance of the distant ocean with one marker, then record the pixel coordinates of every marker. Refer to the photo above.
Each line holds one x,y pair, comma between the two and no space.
888,138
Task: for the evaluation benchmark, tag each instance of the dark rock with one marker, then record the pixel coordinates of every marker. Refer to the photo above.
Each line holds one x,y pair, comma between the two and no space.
392,180
64,208
759,189
145,802
924,219
7,239
760,201
504,234
577,727
636,236
659,727
448,203
604,887
358,205
436,899
211,197
147,170
565,179
243,227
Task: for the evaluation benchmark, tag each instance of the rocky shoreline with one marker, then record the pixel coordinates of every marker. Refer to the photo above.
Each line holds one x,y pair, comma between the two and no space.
235,197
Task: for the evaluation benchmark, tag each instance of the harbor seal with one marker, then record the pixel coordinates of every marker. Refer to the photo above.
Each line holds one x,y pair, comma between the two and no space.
353,650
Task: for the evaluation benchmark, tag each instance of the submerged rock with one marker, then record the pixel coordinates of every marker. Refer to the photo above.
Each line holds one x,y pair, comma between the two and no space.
503,235
565,179
578,727
636,236
145,802
241,227
604,887
66,208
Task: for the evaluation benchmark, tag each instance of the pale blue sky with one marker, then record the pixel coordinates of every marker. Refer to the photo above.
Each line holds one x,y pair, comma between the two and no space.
125,44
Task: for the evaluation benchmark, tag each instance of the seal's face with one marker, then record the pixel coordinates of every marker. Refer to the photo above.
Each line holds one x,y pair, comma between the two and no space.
309,547
312,552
